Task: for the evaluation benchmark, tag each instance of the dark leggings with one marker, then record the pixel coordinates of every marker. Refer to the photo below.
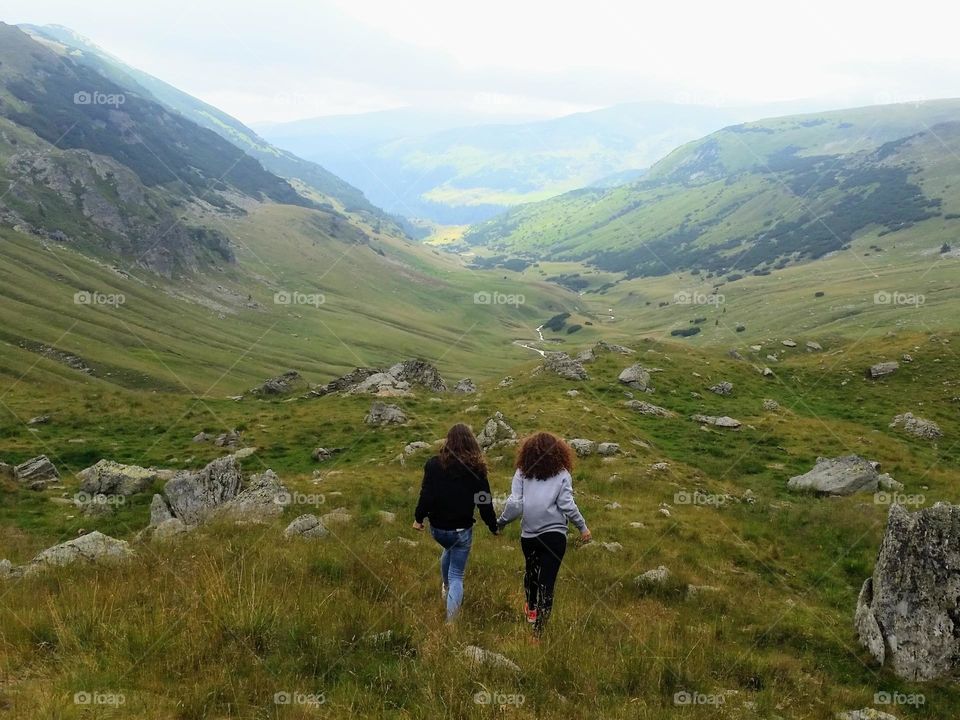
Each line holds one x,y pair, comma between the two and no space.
543,554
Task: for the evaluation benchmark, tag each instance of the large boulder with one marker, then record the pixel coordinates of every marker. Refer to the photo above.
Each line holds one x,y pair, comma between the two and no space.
285,384
382,385
838,476
193,496
111,478
36,472
90,548
382,414
636,377
908,612
496,433
925,429
262,499
419,372
565,366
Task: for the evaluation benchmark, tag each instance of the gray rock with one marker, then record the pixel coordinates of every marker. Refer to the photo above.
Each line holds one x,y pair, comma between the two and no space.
39,420
814,346
883,369
169,529
564,366
886,482
6,471
382,414
480,656
645,408
419,372
93,547
722,388
657,576
415,447
344,383
925,429
262,499
340,516
583,447
193,496
771,405
506,382
496,432
112,478
382,385
608,449
36,472
908,612
465,387
865,714
159,510
386,516
723,421
286,384
788,343
322,454
306,526
228,439
6,569
838,476
767,372
636,377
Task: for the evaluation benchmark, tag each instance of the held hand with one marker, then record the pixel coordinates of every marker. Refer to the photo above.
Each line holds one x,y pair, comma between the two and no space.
418,526
586,536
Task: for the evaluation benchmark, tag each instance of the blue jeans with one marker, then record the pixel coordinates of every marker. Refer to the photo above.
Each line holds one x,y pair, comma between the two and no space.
453,564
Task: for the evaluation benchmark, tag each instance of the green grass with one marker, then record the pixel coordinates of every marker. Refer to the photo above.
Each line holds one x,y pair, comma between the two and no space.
218,623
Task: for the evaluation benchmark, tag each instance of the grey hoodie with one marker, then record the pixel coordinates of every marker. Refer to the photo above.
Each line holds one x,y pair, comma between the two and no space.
546,505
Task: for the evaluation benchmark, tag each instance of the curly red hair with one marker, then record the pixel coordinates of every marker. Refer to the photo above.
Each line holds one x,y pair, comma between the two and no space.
544,455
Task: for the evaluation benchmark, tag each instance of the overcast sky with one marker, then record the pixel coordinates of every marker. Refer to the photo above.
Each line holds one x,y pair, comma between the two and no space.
285,59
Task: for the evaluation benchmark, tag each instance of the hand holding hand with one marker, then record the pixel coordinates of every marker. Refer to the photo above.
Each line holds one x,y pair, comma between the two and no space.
586,536
418,526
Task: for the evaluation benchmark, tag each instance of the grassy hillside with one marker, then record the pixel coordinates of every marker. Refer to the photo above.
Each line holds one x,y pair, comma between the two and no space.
218,623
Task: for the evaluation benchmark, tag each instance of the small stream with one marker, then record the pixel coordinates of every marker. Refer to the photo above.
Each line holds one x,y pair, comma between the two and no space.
539,352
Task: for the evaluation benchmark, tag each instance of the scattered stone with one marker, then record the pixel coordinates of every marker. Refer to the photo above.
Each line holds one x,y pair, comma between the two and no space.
883,369
386,516
382,385
767,372
613,506
838,476
39,420
664,511
90,548
228,439
564,366
583,447
695,590
419,372
306,526
112,478
814,346
722,388
415,447
572,393
322,454
496,433
657,576
340,516
285,384
885,481
6,569
262,499
925,429
636,377
788,343
37,472
487,657
865,714
645,408
506,382
908,612
907,358
607,449
465,387
722,421
400,540
382,414
202,437
660,467
735,355
637,525
771,405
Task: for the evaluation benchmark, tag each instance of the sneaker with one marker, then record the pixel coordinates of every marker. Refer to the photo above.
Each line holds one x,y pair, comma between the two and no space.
531,614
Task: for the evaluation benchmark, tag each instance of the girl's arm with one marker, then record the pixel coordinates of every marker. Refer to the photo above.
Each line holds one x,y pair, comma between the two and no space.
514,506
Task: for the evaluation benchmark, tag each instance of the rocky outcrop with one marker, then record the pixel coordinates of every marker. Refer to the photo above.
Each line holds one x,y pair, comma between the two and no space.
382,414
908,612
561,364
397,381
722,421
838,476
381,384
925,429
419,372
636,377
645,408
882,369
344,383
192,497
37,472
496,432
264,498
112,478
286,384
93,547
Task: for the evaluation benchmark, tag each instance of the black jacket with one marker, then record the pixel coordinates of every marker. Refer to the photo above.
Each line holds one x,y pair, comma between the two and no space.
448,496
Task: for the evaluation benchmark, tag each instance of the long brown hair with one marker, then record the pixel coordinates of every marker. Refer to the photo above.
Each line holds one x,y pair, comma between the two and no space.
544,455
462,446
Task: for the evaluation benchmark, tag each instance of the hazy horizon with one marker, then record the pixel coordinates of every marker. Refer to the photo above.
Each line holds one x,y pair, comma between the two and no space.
291,60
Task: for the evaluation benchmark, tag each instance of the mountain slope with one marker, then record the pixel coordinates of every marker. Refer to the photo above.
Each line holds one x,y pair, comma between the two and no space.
280,162
469,173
